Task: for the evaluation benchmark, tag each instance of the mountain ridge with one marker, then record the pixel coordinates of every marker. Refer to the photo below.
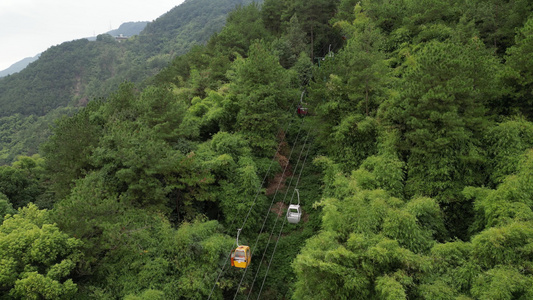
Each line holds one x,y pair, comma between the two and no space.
19,65
76,71
126,29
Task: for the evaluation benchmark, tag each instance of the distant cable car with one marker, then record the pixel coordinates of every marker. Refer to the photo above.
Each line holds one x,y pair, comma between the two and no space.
294,213
240,256
301,109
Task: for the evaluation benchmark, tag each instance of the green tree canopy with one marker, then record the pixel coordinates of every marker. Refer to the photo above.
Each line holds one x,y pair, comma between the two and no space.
36,258
441,114
261,88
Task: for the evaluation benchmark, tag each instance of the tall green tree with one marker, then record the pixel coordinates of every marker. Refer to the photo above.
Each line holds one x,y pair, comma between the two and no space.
36,258
67,152
506,142
494,264
129,251
22,183
371,245
5,207
357,80
497,21
291,44
272,12
440,112
244,26
519,75
262,89
314,16
237,179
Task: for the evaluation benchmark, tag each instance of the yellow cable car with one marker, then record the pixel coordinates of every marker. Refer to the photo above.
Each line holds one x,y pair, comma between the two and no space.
241,257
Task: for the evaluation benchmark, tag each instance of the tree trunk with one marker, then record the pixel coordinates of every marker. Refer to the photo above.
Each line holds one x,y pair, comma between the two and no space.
178,206
312,45
366,96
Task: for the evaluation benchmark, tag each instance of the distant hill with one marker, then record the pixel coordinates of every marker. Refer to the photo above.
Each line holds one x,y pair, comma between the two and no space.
191,23
69,75
128,29
75,72
19,66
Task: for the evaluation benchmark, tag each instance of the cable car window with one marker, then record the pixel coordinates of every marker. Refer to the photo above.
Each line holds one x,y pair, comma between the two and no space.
239,254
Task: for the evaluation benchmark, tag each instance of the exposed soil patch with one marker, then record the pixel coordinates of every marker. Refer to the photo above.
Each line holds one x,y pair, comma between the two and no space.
305,217
83,102
279,208
283,146
278,182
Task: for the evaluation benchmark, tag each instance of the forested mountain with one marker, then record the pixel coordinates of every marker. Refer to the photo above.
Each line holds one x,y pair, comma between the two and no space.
73,73
413,165
81,70
126,29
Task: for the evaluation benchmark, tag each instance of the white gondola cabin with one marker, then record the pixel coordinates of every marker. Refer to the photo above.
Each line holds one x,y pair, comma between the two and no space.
294,213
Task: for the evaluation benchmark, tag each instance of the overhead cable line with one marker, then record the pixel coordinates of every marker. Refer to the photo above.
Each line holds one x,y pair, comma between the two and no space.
247,215
282,225
271,204
255,199
307,80
275,223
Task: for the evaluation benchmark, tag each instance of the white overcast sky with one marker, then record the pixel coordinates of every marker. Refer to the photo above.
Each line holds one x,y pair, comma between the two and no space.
29,27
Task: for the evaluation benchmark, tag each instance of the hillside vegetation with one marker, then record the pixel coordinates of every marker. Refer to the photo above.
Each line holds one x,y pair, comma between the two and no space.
71,74
414,164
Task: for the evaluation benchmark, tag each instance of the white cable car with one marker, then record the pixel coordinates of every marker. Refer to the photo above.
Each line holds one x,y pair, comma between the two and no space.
294,213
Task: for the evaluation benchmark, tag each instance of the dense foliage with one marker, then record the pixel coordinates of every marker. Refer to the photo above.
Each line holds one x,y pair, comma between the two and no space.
414,164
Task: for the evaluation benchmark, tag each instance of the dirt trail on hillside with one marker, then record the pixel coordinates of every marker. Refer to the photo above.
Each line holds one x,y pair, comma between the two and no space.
278,182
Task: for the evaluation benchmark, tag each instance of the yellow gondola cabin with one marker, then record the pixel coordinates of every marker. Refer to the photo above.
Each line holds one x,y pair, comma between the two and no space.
241,257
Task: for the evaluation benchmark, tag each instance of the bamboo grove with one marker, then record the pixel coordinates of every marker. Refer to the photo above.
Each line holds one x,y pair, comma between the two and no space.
418,182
